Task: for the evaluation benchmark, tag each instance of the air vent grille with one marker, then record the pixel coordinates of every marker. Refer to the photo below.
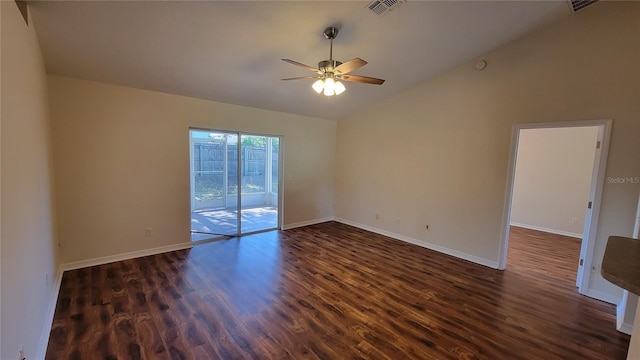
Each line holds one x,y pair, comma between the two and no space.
581,4
383,7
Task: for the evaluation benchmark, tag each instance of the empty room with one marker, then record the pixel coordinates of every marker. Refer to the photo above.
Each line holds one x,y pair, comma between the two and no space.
318,180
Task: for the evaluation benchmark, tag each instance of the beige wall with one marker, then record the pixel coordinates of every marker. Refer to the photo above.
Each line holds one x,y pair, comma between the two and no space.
0,182
438,153
553,178
122,164
28,244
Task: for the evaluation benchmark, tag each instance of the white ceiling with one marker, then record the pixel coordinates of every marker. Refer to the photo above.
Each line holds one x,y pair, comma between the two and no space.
230,51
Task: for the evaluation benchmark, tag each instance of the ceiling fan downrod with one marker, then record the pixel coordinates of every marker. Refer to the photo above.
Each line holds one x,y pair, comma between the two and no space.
329,33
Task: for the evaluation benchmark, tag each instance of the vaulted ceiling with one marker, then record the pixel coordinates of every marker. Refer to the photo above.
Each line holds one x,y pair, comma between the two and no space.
230,51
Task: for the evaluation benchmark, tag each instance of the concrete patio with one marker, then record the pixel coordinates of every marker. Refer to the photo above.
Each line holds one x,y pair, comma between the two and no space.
208,224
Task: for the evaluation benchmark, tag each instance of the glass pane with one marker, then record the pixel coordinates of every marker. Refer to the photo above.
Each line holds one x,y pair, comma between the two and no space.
254,155
208,173
208,186
275,150
258,209
213,175
232,166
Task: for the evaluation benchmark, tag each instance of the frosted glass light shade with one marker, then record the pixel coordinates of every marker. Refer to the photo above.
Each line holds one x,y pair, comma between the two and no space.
318,86
329,87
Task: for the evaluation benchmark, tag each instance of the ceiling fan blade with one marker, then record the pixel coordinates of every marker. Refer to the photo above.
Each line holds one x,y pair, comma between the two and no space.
301,65
302,77
350,65
362,79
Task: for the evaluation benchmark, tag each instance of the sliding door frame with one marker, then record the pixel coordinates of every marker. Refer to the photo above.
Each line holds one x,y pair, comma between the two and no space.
280,188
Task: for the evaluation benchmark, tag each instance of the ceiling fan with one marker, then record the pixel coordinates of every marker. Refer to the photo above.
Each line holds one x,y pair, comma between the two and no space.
330,72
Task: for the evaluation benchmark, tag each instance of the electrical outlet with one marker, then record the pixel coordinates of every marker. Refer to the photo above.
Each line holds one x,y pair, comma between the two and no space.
46,279
574,220
149,232
377,216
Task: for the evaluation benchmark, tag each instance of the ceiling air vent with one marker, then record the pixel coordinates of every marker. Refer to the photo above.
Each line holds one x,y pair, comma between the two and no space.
580,4
383,7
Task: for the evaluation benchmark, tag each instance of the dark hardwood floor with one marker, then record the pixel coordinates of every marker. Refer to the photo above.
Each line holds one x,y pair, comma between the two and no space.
547,258
331,291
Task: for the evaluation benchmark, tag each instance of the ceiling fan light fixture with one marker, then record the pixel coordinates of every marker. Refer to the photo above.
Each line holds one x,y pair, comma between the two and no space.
318,86
329,86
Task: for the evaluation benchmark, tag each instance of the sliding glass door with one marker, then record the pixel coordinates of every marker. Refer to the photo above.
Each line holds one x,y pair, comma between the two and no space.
234,183
259,196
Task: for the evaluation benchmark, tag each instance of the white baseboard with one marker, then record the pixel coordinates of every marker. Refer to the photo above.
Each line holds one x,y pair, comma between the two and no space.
126,256
41,350
602,296
620,308
306,223
626,328
552,231
626,304
424,244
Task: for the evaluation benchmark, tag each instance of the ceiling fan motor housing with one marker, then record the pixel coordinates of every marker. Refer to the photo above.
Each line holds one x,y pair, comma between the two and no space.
328,65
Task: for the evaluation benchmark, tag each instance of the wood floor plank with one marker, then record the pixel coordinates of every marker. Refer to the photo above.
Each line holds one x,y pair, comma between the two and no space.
332,291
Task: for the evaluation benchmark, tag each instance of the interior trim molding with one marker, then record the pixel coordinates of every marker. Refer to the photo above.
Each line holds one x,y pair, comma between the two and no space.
125,256
626,328
602,296
623,327
544,229
307,223
43,342
424,244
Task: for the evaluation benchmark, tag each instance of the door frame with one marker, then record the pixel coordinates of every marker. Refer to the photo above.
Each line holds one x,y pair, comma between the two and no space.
595,194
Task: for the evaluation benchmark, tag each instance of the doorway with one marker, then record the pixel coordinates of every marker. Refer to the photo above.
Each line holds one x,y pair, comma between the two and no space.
235,187
591,206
